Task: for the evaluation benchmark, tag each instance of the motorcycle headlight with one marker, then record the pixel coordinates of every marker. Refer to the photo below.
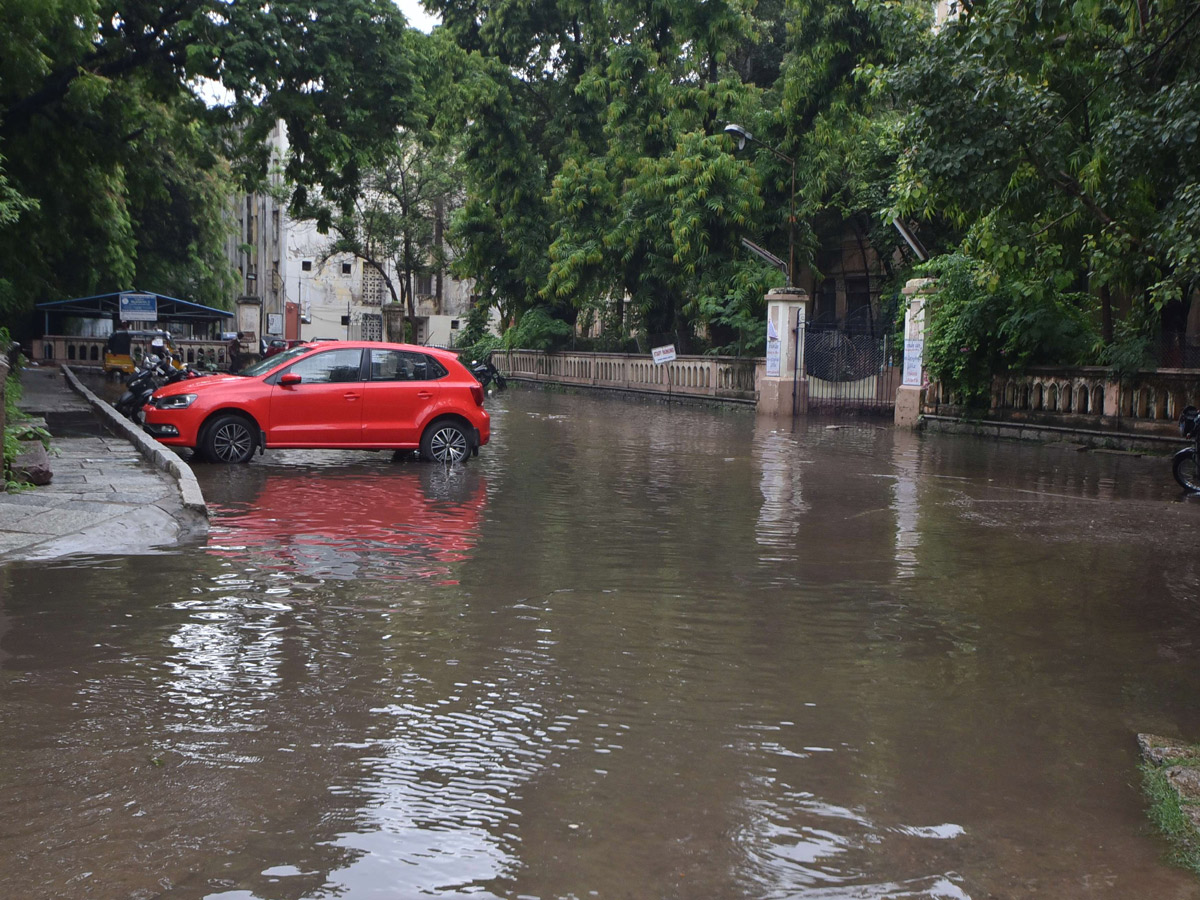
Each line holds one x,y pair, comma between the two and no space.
174,401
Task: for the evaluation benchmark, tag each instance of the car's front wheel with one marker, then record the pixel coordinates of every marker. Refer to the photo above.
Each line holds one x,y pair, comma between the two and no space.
229,439
445,441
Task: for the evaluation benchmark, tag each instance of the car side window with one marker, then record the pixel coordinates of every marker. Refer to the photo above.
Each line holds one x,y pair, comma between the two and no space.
328,367
403,365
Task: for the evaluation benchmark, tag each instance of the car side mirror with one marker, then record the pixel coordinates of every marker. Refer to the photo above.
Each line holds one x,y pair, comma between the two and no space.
289,379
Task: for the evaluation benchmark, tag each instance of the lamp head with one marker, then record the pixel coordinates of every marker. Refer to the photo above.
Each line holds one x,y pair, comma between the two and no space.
740,134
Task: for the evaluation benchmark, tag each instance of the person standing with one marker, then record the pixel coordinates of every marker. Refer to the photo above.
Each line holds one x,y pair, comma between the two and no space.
235,355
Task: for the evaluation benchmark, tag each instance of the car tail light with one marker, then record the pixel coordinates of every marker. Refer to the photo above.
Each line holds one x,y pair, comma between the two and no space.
477,393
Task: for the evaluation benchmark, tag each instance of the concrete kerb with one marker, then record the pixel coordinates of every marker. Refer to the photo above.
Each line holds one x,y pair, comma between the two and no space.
159,456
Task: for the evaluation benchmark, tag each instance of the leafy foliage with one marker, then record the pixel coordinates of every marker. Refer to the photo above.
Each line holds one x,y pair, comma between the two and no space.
980,324
1060,136
17,428
1166,812
116,174
395,224
538,330
1047,147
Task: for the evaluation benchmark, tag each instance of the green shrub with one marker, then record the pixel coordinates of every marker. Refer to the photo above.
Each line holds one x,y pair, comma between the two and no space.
981,323
1168,815
17,428
538,330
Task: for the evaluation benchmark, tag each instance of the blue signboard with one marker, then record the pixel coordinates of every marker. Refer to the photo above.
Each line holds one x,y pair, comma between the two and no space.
139,307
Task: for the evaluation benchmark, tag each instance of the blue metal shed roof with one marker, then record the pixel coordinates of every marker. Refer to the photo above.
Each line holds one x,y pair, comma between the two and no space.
104,305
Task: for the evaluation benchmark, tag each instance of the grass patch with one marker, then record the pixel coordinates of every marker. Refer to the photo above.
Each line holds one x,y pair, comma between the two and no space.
1168,814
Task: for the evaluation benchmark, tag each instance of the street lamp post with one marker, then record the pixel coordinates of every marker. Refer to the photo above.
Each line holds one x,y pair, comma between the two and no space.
742,136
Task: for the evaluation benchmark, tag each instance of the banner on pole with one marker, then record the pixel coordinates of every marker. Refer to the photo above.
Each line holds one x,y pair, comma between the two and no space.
663,354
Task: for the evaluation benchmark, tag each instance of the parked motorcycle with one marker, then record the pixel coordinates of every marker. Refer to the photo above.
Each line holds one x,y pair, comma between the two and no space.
486,374
1186,467
155,371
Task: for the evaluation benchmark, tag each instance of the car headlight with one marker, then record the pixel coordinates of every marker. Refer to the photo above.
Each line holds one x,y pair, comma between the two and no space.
174,401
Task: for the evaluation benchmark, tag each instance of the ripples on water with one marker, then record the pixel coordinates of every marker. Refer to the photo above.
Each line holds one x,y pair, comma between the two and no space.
629,651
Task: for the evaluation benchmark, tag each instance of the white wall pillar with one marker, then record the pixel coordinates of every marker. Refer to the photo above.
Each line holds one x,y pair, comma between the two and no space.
782,386
910,396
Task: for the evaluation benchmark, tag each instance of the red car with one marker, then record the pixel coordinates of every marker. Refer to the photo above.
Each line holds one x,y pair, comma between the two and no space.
335,395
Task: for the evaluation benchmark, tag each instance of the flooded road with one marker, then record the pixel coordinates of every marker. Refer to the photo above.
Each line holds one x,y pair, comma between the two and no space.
631,651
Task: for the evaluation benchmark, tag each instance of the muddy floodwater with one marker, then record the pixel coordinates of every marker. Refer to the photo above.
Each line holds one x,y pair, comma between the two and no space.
631,651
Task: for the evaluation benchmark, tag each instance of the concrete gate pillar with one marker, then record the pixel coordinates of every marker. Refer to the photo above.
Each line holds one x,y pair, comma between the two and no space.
393,323
249,321
782,386
910,396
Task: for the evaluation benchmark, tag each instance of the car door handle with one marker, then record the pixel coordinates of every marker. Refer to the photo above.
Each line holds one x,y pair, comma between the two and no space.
350,395
424,395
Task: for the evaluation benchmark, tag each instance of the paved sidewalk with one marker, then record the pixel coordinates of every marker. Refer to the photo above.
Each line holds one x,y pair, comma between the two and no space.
106,497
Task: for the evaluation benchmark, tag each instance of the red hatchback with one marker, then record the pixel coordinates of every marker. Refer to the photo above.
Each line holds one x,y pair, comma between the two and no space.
331,395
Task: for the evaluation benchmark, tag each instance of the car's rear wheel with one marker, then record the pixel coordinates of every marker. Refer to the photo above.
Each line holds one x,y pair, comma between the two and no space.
229,439
445,441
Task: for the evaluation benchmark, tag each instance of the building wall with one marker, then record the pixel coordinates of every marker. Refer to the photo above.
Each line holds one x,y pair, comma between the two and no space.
283,261
255,246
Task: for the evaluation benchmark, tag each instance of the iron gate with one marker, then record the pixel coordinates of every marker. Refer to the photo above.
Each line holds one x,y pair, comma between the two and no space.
850,367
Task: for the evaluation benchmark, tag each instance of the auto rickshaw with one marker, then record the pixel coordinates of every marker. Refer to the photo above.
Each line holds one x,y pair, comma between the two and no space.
139,342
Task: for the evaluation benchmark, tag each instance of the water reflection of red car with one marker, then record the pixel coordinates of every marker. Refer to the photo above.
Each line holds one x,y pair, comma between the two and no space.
404,522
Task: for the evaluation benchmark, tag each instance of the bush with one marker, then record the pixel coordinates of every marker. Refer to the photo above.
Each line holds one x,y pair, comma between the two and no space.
16,428
981,324
538,330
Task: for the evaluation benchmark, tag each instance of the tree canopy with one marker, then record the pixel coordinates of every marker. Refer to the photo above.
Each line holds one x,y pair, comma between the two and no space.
115,172
1059,137
1044,146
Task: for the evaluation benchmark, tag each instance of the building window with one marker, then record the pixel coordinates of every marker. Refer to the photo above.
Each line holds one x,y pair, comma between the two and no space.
372,327
347,268
858,299
826,311
373,288
306,265
423,285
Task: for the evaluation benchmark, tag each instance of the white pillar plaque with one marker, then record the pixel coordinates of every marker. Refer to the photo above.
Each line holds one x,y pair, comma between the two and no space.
773,345
914,352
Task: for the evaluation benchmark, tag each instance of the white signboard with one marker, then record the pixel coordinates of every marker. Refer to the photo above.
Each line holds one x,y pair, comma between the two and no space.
138,307
663,354
274,323
914,352
774,345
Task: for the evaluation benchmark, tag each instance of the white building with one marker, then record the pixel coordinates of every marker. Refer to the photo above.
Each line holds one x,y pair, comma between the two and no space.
292,288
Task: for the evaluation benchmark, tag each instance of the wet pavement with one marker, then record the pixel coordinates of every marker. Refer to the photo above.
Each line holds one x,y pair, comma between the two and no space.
104,497
629,651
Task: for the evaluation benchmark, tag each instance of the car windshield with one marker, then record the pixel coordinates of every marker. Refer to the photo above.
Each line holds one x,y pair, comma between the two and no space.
267,363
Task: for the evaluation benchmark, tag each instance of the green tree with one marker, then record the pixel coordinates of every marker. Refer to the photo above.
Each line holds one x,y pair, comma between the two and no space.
599,178
1060,137
515,114
830,116
653,209
120,166
981,324
396,225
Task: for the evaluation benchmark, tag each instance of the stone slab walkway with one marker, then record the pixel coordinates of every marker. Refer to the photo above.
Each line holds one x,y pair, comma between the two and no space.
105,498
